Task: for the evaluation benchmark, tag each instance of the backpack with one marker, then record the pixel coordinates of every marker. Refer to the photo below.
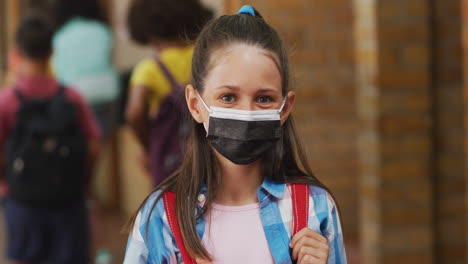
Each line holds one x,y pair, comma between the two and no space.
168,131
46,154
300,202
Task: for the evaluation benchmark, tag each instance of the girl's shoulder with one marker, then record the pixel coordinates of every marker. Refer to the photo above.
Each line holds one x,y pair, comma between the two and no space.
314,190
153,207
151,238
150,219
317,191
319,197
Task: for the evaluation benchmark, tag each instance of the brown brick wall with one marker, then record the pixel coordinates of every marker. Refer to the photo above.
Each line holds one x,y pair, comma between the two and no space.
319,36
465,99
448,120
365,32
395,104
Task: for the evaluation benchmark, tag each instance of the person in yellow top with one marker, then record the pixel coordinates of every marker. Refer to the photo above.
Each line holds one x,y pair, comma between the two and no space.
148,74
155,106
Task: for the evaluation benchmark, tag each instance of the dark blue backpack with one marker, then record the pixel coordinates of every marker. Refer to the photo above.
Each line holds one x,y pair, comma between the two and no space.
46,154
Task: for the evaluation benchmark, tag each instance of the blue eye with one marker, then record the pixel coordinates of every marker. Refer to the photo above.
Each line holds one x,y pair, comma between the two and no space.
264,99
228,98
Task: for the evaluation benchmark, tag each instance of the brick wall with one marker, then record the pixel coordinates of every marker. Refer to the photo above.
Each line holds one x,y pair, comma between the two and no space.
465,99
448,121
319,36
394,95
366,59
411,107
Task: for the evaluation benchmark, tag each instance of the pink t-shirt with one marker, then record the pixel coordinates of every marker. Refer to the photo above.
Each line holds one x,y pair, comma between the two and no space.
233,229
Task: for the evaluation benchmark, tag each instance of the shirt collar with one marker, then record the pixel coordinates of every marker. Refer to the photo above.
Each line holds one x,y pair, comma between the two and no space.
268,187
273,188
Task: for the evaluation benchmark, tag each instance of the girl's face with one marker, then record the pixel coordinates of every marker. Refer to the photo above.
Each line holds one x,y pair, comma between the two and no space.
243,77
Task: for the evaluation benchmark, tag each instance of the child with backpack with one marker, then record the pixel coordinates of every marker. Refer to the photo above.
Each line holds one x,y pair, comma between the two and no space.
82,58
155,108
244,193
48,138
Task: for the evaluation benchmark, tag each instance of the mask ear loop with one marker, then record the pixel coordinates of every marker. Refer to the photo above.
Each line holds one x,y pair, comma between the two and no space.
209,111
282,105
206,106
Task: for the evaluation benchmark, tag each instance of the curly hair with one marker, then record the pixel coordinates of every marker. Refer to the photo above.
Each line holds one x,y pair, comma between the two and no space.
166,19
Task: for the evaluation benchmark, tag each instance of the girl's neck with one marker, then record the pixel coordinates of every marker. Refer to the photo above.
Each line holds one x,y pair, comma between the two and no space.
239,184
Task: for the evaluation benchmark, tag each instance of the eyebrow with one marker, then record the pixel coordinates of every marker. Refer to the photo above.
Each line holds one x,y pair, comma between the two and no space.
266,90
231,87
235,88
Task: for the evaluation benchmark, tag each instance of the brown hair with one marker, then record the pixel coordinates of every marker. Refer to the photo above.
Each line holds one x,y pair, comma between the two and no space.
286,164
34,36
166,19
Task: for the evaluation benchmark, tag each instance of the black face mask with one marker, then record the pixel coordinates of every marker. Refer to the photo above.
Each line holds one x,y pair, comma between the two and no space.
243,136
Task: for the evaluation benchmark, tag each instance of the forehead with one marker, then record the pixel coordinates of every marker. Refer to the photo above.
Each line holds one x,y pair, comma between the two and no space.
246,66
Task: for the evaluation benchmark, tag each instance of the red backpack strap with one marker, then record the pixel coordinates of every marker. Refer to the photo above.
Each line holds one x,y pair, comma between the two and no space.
300,201
170,206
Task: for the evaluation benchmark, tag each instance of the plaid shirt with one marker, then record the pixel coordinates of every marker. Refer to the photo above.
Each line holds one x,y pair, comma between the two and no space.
158,245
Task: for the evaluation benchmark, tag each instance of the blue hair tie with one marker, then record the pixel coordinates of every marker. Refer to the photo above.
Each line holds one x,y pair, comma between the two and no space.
247,10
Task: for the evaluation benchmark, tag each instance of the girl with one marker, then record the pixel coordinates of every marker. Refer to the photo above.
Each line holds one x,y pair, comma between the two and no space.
233,192
155,81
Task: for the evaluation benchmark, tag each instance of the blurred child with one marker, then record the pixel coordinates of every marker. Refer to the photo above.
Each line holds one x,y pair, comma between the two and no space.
82,56
50,138
155,105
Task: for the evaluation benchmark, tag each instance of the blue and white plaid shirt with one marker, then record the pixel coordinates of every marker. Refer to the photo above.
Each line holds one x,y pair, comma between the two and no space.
158,245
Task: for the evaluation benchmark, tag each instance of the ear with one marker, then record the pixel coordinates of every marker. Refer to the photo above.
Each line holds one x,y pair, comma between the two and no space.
288,106
193,103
